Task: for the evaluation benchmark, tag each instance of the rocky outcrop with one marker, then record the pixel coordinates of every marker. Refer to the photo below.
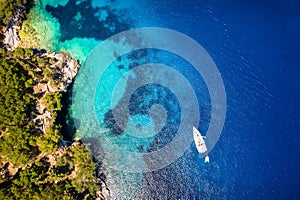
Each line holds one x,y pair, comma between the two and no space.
105,194
11,38
65,69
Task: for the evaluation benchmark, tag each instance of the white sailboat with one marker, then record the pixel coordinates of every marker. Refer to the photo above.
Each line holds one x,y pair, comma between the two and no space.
200,143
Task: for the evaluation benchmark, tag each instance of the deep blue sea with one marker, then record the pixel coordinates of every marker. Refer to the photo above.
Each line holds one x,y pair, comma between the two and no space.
256,47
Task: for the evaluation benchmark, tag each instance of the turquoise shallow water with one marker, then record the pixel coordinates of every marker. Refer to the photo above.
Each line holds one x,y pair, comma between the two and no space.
123,147
184,177
256,48
77,27
51,34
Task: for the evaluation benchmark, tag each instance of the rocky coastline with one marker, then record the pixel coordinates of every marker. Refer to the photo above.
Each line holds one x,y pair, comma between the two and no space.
66,69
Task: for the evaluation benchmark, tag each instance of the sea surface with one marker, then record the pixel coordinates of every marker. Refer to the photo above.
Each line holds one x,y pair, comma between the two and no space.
256,47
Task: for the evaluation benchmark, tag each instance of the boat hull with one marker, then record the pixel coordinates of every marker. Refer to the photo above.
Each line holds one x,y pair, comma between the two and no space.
199,141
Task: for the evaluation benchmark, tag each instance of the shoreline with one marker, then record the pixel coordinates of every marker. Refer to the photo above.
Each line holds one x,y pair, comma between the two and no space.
68,68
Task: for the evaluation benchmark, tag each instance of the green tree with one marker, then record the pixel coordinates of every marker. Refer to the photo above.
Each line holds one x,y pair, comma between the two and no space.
48,142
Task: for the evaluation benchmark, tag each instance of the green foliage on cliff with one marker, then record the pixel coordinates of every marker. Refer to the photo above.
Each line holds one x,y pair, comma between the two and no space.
47,143
70,178
8,7
32,165
16,105
14,90
53,101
